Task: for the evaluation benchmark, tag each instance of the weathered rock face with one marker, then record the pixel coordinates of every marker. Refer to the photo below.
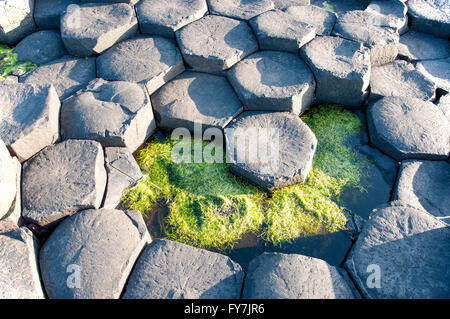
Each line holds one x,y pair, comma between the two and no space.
292,276
165,17
283,4
61,180
40,47
16,20
437,71
400,78
239,9
67,75
148,60
30,116
112,113
208,99
408,128
393,11
214,43
273,81
172,270
19,274
12,218
90,255
430,16
47,13
92,28
7,180
123,171
402,252
322,20
279,30
416,46
341,68
270,149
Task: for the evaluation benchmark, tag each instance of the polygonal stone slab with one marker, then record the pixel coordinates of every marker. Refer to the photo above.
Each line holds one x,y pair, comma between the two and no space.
407,248
16,20
149,60
113,113
239,9
7,180
437,71
273,81
430,16
270,149
47,13
371,30
171,270
400,78
61,180
67,75
292,276
165,17
19,274
322,20
421,46
425,184
278,30
283,4
214,43
206,98
408,128
99,26
392,10
30,117
90,255
341,68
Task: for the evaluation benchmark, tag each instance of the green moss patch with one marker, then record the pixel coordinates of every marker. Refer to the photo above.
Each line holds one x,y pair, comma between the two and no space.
9,63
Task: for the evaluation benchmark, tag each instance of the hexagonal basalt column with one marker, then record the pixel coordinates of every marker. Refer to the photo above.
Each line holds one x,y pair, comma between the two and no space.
16,20
273,81
214,43
393,11
437,71
322,20
239,9
270,149
421,46
430,16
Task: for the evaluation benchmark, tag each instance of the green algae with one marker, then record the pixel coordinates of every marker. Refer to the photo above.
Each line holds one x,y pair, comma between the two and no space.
9,63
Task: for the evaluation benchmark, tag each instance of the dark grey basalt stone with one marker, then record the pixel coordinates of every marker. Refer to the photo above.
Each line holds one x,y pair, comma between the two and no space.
67,75
278,30
214,43
239,9
430,16
98,246
408,248
437,71
416,46
409,128
400,78
283,4
113,113
270,149
30,117
293,276
40,47
47,13
61,180
148,60
16,20
8,180
165,17
395,11
206,98
19,274
322,20
341,68
273,81
171,270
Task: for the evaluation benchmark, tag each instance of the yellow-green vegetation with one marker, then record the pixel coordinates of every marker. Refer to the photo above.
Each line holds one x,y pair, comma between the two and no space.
9,63
209,207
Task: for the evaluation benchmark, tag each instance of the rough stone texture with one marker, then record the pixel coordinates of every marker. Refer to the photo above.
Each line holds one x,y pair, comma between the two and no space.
123,171
430,16
19,274
293,276
149,60
372,31
341,68
100,245
47,13
11,79
421,46
92,28
279,30
400,78
165,17
12,218
276,152
437,71
67,75
40,47
213,43
61,180
283,4
16,20
30,116
444,104
425,184
112,113
239,9
408,128
409,246
7,180
273,81
195,96
322,20
392,10
171,270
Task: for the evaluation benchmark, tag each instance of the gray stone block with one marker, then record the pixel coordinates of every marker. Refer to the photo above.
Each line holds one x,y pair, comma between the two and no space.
421,46
322,20
437,71
47,13
430,16
17,20
394,11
